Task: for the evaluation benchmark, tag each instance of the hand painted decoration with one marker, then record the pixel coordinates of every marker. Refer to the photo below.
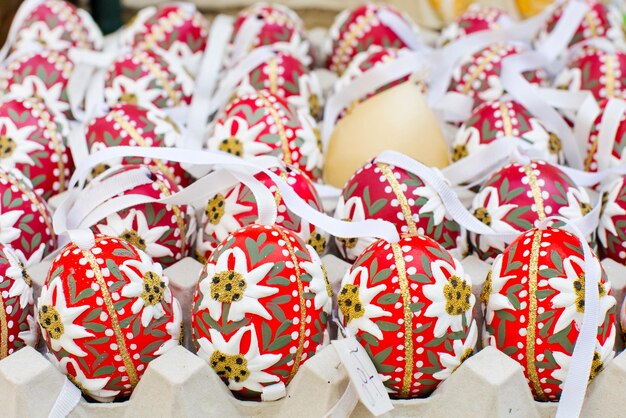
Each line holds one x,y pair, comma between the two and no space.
131,125
592,69
33,141
499,118
534,300
475,19
261,123
260,308
478,75
175,27
58,25
165,232
611,228
17,324
43,75
236,208
616,154
383,191
25,219
519,195
356,30
410,305
105,313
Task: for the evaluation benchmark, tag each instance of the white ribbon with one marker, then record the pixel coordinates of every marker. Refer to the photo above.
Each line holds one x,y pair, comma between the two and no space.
611,119
67,400
244,39
400,27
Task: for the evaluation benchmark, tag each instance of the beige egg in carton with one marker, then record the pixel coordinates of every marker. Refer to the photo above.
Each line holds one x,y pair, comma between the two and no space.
180,384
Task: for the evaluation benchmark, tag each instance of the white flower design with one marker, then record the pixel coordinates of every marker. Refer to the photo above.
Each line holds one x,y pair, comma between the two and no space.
571,294
466,142
238,287
191,60
173,328
8,231
15,143
602,356
165,127
487,208
219,215
92,387
310,147
577,204
462,350
236,137
148,286
610,210
494,91
127,90
17,271
355,303
308,88
141,236
451,297
43,34
492,298
57,320
433,204
30,335
352,210
33,86
225,358
319,281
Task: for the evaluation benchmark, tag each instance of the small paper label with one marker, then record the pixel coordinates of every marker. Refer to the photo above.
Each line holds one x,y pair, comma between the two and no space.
363,375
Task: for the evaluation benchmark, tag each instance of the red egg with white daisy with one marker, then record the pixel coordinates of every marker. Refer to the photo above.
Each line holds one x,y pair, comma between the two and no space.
520,195
260,309
611,228
600,158
409,303
534,299
476,18
262,123
383,191
105,312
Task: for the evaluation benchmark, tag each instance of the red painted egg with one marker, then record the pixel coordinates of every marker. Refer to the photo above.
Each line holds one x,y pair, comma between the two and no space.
59,25
165,232
262,123
475,19
535,298
600,21
130,125
498,118
148,78
616,155
43,75
33,141
383,191
260,308
356,30
410,305
478,75
235,208
602,73
611,228
17,323
178,28
516,197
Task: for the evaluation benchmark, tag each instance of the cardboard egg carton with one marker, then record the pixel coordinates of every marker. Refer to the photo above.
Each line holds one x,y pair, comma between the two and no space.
180,384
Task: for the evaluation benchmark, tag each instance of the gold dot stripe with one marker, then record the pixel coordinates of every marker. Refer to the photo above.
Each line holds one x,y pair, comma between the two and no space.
4,331
75,25
277,196
160,76
591,153
531,367
173,19
591,23
397,190
125,125
408,320
273,74
536,191
180,221
279,125
610,75
506,120
58,59
349,37
294,260
115,323
56,141
32,197
487,58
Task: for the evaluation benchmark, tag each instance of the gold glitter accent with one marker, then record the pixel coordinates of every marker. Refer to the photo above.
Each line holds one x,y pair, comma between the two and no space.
591,24
56,142
554,144
591,153
232,145
281,128
7,146
4,331
485,293
67,13
153,289
50,320
348,39
506,120
298,358
536,191
531,367
215,209
159,29
228,286
459,152
273,74
115,323
131,236
610,75
467,86
397,190
230,366
180,219
349,302
408,320
158,74
596,366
